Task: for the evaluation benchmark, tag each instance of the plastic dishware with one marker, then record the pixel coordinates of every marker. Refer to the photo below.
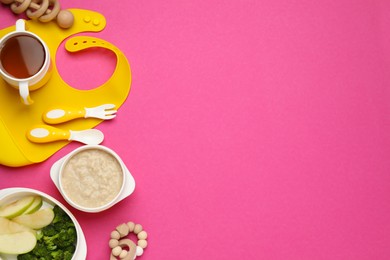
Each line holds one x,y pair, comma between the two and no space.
128,181
11,194
64,114
46,134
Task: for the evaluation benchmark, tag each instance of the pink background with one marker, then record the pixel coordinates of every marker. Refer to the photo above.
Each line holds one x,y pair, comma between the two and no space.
255,129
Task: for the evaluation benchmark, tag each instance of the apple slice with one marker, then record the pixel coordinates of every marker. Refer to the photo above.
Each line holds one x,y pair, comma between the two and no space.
17,243
16,208
36,220
35,205
9,227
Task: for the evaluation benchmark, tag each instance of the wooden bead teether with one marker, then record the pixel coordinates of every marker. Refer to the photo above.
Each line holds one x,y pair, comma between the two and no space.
42,10
117,241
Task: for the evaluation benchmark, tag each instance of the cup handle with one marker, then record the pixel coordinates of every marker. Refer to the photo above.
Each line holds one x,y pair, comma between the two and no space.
24,93
20,25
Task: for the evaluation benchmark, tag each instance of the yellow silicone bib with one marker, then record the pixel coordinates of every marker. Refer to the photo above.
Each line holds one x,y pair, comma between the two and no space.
16,118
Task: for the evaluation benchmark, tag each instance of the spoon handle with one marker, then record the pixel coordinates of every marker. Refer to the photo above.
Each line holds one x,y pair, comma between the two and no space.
45,134
61,115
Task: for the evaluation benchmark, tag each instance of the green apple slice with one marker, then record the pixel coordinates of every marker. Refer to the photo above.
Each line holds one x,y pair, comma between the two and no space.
16,208
9,227
36,220
17,243
35,205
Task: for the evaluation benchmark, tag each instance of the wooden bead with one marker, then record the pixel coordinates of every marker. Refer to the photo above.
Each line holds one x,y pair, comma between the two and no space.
137,229
113,243
142,235
131,226
65,19
116,251
115,235
142,243
123,229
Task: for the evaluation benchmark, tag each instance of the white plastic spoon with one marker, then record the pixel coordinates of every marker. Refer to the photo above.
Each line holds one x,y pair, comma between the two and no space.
45,134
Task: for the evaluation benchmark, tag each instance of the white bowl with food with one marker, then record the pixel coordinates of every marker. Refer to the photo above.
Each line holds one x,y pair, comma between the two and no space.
92,178
35,224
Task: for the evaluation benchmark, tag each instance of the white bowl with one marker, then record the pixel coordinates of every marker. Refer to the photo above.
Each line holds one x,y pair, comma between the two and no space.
11,194
128,183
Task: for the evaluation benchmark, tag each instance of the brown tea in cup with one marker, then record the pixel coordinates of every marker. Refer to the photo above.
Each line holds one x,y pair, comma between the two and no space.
25,62
22,56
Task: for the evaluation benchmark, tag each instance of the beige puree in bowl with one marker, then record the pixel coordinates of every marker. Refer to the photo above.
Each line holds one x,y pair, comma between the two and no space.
92,178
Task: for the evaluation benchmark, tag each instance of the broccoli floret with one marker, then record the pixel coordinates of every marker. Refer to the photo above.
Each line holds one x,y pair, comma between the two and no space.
49,230
72,235
68,255
57,255
63,225
51,242
28,256
60,215
71,249
41,250
62,239
39,235
66,237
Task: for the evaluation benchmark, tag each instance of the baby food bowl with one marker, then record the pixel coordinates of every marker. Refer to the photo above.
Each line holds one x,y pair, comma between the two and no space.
92,178
12,194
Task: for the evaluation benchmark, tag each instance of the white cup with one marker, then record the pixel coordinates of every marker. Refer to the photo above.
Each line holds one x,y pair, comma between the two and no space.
39,60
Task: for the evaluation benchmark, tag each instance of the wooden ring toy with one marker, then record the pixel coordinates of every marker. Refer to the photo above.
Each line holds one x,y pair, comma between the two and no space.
41,7
55,9
20,7
124,248
42,10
